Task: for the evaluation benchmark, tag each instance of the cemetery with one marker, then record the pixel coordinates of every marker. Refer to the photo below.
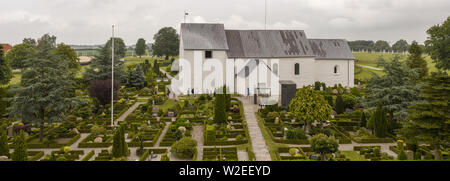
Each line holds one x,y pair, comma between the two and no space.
55,109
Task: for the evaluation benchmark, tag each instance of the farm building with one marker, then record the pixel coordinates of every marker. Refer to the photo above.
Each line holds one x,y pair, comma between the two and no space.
6,47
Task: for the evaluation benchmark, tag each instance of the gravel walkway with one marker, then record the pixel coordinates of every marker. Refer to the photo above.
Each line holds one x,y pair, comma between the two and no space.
197,134
258,143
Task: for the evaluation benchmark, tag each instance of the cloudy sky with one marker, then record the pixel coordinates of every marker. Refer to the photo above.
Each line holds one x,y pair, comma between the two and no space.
89,21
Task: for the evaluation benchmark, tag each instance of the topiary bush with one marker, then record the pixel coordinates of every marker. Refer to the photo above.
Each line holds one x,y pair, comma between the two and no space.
402,155
184,148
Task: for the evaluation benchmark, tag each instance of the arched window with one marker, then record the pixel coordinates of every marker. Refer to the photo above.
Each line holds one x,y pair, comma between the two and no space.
297,69
336,69
275,68
247,71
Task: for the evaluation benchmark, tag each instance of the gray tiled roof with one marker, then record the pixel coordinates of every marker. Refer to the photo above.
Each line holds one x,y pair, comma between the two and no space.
203,36
261,43
331,49
267,44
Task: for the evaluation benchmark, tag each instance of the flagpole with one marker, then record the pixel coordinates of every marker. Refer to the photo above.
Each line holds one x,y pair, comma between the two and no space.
112,78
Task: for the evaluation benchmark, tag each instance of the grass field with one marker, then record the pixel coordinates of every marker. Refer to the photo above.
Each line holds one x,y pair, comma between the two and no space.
371,59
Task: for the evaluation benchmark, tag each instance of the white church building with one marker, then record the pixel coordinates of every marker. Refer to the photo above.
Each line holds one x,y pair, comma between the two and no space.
253,60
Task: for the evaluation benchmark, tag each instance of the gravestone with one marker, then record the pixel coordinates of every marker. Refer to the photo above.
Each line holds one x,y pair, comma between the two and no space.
75,130
171,114
4,158
409,155
182,129
284,133
10,131
98,140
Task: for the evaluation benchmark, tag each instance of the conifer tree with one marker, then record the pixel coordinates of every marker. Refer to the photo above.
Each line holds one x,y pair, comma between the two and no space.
46,89
340,107
363,120
428,121
20,148
380,122
4,147
100,68
120,147
137,78
416,61
219,109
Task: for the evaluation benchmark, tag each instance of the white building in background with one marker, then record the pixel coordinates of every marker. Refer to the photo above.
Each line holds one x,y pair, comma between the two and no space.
288,54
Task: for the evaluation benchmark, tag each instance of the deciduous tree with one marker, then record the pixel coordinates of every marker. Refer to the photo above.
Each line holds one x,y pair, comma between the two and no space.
309,105
18,54
166,43
400,46
140,47
101,90
323,145
5,71
438,44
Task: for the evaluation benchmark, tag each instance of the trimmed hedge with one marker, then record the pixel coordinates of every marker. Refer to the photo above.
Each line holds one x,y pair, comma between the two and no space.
55,145
225,143
374,140
230,154
84,144
35,155
359,148
88,156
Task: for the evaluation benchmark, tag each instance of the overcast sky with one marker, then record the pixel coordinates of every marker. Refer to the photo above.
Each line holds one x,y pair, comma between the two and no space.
89,21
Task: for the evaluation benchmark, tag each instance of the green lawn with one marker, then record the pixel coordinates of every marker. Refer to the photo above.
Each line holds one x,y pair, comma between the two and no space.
168,104
353,156
371,59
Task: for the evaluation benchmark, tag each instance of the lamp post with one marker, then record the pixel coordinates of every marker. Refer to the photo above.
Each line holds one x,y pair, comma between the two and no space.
112,77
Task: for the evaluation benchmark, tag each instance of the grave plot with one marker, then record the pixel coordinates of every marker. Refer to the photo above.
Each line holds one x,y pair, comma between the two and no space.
220,154
156,107
141,134
372,153
104,155
56,135
175,132
64,154
152,154
282,127
234,132
35,155
97,140
306,154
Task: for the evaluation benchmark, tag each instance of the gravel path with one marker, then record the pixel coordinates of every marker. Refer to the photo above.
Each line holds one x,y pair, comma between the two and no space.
128,112
370,67
197,134
162,135
258,143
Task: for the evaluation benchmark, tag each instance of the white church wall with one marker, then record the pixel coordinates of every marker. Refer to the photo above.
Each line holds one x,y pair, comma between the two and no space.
324,72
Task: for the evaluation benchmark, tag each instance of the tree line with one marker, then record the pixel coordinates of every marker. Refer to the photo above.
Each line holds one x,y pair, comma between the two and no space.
399,46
